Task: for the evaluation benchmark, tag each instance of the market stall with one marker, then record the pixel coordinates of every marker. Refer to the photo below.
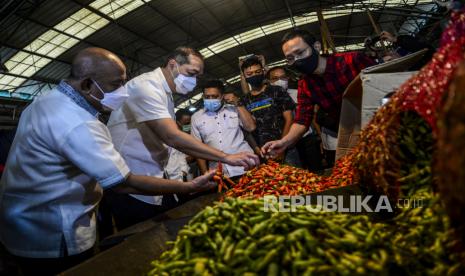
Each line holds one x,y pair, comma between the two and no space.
395,157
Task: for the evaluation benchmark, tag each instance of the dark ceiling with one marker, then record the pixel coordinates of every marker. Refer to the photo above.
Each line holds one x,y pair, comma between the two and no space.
145,36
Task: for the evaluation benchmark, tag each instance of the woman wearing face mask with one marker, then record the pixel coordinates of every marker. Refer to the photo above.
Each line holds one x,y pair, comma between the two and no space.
220,126
270,105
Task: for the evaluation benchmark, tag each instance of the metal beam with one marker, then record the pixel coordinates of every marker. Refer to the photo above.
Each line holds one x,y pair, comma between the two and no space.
179,26
228,31
81,40
289,11
325,30
129,30
408,15
34,78
349,23
6,44
266,36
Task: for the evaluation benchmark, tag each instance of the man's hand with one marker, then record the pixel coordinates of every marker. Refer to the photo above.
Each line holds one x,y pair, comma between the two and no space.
245,159
241,61
258,152
274,148
203,182
261,58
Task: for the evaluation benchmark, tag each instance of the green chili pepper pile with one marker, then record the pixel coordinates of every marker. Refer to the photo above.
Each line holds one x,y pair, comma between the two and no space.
236,237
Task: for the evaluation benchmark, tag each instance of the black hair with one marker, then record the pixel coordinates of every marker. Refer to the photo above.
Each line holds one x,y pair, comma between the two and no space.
182,112
214,84
268,74
235,93
251,61
305,35
181,55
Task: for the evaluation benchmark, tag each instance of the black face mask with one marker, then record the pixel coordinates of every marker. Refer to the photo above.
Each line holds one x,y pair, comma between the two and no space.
307,65
255,81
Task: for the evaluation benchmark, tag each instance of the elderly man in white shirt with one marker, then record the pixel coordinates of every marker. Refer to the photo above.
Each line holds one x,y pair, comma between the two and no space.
221,126
61,159
145,126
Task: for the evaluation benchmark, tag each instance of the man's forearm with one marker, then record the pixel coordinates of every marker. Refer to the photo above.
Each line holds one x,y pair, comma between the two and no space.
244,85
202,165
182,141
286,128
288,120
246,118
149,185
191,146
295,133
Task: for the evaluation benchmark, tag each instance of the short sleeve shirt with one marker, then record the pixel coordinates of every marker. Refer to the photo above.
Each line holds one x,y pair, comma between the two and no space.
61,158
268,108
150,98
221,130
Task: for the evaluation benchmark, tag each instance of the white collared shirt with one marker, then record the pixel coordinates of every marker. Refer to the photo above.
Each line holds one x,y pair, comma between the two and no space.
49,189
150,98
177,165
221,130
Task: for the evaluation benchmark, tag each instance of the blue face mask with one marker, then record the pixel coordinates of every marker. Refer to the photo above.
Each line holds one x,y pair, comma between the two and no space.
211,105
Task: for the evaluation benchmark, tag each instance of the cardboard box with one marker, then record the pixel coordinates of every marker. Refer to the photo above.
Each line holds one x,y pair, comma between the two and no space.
375,87
362,97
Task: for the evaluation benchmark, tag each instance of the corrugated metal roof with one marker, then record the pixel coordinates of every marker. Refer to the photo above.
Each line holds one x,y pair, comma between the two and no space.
143,37
145,20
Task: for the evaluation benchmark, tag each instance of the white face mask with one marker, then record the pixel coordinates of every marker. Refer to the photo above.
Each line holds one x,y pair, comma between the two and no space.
114,99
282,83
184,84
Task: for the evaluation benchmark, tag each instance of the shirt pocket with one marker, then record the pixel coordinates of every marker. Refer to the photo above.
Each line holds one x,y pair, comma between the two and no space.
206,129
232,121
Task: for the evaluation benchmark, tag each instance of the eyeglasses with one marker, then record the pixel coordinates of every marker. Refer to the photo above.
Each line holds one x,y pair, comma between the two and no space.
298,55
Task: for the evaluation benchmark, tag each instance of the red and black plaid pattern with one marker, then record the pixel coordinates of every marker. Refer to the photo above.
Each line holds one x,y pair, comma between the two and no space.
326,90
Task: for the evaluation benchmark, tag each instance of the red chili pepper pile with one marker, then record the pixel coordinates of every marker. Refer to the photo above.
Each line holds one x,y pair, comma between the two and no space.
377,154
276,179
219,178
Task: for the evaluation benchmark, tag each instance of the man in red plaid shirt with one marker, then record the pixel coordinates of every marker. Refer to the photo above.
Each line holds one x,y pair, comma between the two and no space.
322,83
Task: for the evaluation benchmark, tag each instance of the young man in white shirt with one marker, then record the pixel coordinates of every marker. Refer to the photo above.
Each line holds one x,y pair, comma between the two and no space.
61,159
144,127
177,167
221,126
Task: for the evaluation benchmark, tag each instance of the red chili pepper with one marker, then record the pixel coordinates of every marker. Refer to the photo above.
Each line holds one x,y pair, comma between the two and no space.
229,181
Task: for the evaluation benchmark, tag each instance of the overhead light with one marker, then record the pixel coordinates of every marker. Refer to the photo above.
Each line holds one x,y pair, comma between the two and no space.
191,108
